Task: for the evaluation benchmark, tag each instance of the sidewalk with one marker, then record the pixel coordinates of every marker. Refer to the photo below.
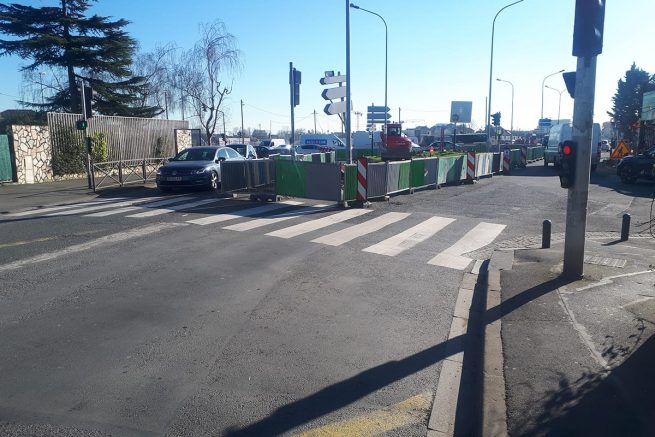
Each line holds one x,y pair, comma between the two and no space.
579,357
17,197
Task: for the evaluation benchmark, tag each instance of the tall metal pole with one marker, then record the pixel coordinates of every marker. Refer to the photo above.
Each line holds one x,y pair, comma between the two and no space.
491,70
543,84
293,105
348,87
559,104
314,120
576,207
241,120
511,137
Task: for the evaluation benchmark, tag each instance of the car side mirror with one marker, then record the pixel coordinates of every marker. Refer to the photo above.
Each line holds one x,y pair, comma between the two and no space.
220,159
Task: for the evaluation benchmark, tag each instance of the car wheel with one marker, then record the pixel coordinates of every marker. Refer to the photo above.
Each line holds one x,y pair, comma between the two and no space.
213,181
627,175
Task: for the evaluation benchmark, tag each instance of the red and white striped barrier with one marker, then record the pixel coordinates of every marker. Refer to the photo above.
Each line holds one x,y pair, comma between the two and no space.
524,156
507,161
362,167
470,172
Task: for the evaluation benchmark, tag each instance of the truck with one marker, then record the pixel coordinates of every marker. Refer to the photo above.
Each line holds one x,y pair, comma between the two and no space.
395,145
563,132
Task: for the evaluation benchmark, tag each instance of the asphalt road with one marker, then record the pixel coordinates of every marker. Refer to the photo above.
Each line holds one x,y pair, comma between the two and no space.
168,325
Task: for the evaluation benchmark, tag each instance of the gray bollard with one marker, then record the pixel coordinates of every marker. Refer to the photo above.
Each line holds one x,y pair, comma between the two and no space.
625,227
545,235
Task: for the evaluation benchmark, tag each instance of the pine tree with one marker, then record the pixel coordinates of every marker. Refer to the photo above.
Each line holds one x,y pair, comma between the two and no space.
626,108
93,48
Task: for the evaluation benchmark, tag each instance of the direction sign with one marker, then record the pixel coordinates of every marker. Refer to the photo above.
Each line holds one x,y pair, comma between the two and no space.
460,112
333,79
334,93
335,108
376,117
378,109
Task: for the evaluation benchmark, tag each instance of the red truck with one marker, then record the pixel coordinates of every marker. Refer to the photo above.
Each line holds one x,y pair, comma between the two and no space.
395,145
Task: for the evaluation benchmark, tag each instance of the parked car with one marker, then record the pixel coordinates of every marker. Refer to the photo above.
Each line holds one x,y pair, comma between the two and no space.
633,167
263,151
246,150
284,149
307,149
195,167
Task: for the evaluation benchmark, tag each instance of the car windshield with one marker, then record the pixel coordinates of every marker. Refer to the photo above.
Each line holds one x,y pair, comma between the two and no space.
241,148
196,154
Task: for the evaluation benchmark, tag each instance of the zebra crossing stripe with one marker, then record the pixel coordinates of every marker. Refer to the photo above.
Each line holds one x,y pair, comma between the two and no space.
265,221
478,237
411,237
103,206
345,235
59,208
161,211
242,213
312,225
140,207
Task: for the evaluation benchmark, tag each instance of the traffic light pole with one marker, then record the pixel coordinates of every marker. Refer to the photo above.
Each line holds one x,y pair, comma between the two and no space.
576,208
87,142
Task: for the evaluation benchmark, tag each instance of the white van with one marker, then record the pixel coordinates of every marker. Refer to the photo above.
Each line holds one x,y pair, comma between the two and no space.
316,143
273,142
563,132
362,140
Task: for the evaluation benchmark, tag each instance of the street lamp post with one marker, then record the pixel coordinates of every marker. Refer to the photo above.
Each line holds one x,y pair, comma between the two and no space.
511,138
491,69
386,59
543,84
559,105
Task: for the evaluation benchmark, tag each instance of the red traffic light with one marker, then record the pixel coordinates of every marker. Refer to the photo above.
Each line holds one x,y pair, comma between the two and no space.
566,149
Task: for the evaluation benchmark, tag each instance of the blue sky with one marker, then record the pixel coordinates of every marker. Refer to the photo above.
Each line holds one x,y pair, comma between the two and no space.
438,52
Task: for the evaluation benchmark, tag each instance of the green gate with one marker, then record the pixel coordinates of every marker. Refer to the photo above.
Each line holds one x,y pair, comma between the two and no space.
6,173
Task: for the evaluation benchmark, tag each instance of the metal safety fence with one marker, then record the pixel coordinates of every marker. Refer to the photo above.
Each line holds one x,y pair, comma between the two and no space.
120,173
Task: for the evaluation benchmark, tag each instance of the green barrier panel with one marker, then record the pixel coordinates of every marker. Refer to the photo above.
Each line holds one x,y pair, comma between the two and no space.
451,169
290,178
404,179
515,158
418,172
350,183
461,163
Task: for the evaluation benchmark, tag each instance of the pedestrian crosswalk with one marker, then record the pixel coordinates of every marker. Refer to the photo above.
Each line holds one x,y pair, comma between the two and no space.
390,234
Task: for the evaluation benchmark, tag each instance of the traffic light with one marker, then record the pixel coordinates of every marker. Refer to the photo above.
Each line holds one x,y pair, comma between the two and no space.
81,124
496,119
569,150
295,80
588,27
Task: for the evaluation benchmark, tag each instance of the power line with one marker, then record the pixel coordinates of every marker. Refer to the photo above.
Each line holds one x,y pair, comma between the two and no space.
264,110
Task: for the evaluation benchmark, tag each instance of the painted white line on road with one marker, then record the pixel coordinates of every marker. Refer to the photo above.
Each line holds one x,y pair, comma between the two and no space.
104,206
476,238
313,225
345,235
102,241
249,212
265,221
59,208
160,211
140,207
411,237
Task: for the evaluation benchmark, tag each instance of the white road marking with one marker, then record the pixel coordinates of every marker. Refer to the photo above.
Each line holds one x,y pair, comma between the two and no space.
59,208
161,211
104,206
411,237
140,207
243,213
312,225
476,238
345,235
265,221
102,241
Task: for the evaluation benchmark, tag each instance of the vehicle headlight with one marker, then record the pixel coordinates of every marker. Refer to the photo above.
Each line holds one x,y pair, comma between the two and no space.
199,171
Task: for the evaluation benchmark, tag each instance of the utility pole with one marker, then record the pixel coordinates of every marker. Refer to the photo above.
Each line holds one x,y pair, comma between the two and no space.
314,120
241,120
349,144
587,44
399,115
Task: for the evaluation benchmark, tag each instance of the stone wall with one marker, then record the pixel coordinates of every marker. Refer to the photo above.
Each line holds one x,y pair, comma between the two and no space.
33,153
182,139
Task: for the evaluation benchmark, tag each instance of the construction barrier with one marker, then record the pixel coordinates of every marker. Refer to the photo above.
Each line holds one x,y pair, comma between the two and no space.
349,172
362,166
470,166
424,172
524,156
484,164
377,180
507,161
398,176
451,169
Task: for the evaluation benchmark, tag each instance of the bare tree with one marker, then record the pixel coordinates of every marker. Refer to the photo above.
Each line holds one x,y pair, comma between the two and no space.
203,72
157,67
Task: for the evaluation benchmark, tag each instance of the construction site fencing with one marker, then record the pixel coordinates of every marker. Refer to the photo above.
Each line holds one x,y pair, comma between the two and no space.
120,173
254,176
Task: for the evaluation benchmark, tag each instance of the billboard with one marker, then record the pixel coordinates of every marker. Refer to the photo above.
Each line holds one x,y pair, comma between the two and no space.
460,112
648,106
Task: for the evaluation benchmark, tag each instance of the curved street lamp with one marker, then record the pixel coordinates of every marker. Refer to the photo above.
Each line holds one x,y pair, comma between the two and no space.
511,140
559,105
543,83
386,58
491,68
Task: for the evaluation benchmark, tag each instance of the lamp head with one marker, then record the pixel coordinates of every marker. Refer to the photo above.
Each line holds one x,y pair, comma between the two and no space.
354,6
